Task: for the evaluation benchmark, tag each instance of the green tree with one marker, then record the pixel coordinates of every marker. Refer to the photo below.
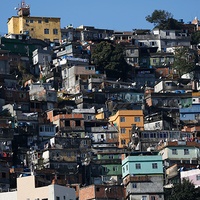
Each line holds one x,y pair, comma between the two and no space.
184,191
110,58
195,38
184,60
163,20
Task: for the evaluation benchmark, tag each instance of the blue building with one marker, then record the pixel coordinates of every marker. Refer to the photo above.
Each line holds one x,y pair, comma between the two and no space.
142,175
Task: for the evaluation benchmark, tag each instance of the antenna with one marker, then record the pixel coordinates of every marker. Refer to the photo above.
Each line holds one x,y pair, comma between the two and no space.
23,9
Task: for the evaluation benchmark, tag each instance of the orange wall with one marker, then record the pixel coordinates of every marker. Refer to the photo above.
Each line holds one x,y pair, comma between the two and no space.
129,116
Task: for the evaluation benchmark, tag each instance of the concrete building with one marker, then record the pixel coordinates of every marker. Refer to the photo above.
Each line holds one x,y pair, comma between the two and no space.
106,168
75,78
132,55
44,28
173,86
4,62
180,152
123,120
162,39
29,187
68,124
103,136
172,38
84,33
190,115
41,61
142,175
192,175
102,192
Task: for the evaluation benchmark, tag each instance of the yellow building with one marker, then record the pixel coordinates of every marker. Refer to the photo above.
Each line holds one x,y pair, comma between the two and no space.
44,28
123,120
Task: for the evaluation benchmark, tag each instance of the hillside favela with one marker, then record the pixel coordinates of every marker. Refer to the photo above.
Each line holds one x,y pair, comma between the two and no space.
94,114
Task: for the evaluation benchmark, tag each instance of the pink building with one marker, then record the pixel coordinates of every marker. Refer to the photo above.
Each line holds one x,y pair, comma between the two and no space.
192,175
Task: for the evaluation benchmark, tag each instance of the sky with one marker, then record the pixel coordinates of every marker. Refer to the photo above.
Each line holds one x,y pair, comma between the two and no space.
118,15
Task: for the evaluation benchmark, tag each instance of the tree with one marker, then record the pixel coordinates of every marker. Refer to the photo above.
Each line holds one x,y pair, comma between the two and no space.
163,20
195,38
184,60
110,58
183,191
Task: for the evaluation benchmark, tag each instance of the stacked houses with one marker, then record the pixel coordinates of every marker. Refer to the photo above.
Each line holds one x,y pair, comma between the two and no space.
72,131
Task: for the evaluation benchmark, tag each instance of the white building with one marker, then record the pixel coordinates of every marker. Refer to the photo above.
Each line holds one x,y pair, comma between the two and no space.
28,189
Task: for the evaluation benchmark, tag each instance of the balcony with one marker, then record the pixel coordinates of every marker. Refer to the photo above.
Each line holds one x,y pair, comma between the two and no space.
174,87
75,128
95,80
104,129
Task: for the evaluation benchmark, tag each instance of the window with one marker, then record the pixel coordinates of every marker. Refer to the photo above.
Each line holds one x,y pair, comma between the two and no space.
31,21
47,129
167,33
77,123
55,31
105,169
115,168
137,166
110,156
126,167
46,21
41,128
153,198
123,142
89,117
67,123
162,60
56,40
144,198
123,130
134,185
22,95
137,119
27,21
174,151
68,154
46,31
186,152
183,115
47,40
97,189
198,177
154,165
154,60
140,44
157,125
122,119
144,60
39,21
3,175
